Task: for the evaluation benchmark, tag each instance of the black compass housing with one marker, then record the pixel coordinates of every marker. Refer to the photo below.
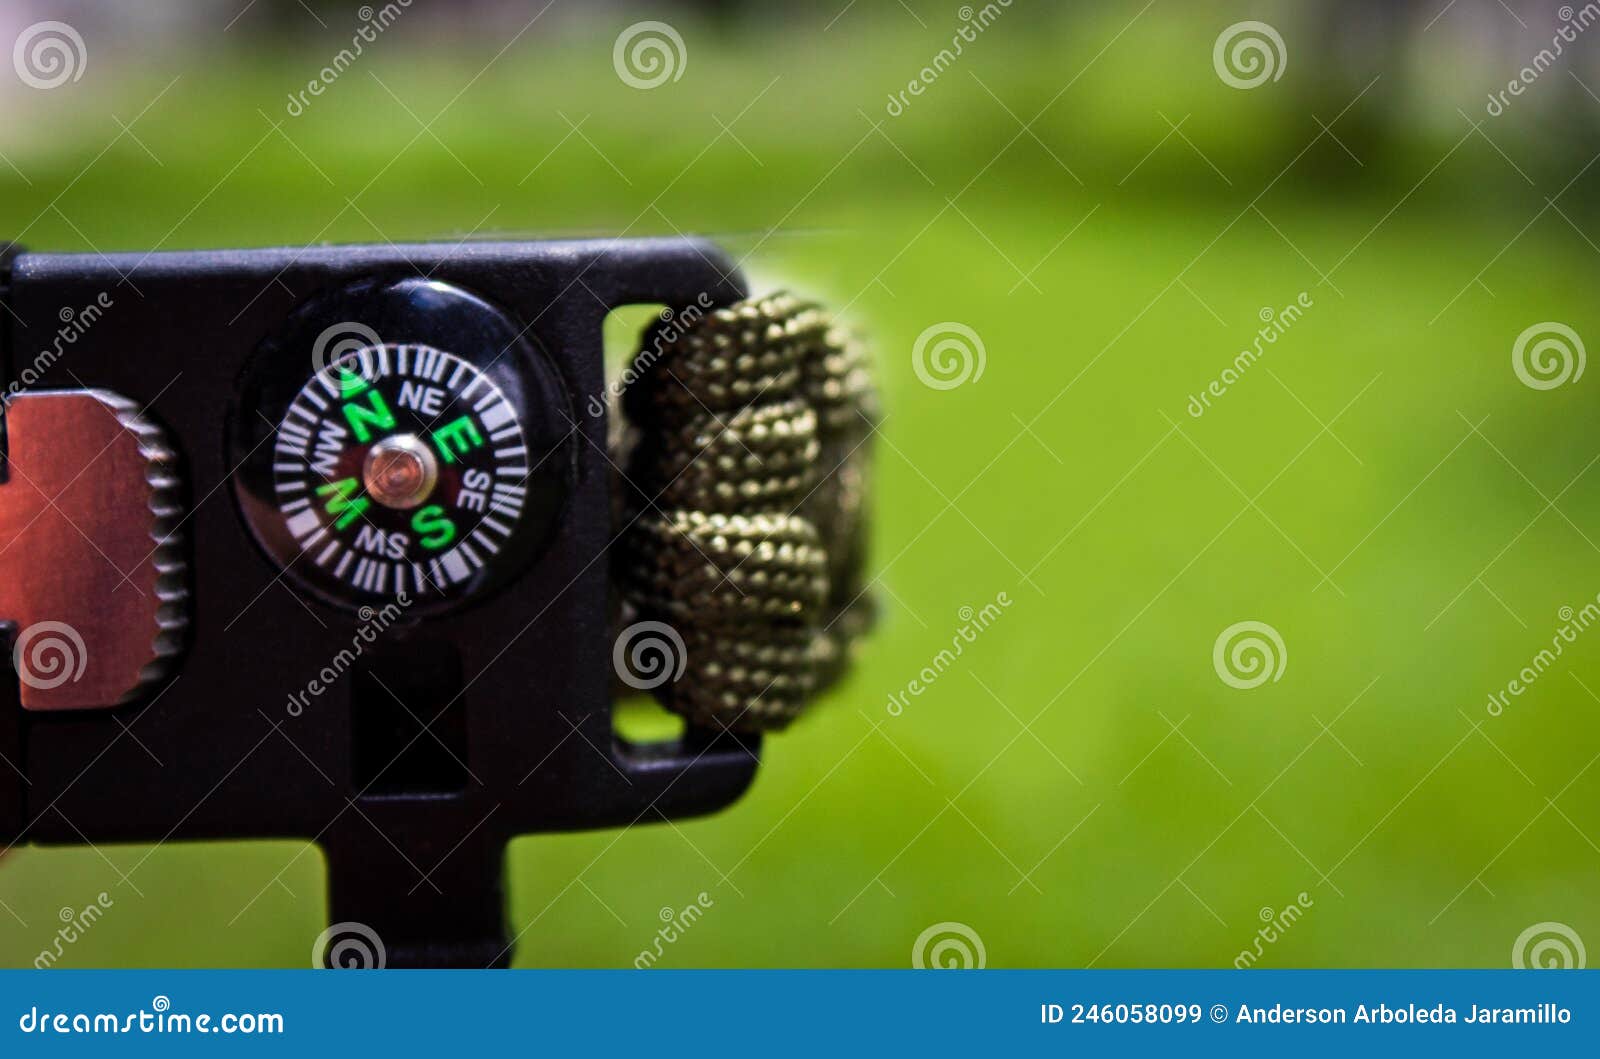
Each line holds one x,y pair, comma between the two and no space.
456,726
409,357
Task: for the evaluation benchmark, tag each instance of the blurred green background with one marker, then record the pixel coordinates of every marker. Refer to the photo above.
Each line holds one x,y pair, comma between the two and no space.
1084,192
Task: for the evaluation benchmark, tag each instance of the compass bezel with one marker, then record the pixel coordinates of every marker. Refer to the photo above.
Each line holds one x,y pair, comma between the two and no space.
415,316
537,654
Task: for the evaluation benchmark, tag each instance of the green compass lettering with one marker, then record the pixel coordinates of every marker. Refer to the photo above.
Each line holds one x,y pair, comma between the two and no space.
400,469
374,415
435,525
456,438
340,505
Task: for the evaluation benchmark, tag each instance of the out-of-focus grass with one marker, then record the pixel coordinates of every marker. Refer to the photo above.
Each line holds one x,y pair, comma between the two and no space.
1081,788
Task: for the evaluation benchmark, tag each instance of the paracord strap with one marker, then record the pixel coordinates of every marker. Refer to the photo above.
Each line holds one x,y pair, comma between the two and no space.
747,455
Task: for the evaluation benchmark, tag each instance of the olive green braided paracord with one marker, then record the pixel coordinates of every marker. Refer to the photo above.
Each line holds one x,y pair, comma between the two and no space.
744,505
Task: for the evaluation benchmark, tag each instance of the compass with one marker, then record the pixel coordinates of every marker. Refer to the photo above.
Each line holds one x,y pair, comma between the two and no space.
400,442
422,465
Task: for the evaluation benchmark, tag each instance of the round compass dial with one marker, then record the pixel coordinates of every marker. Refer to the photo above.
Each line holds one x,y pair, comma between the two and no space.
399,469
